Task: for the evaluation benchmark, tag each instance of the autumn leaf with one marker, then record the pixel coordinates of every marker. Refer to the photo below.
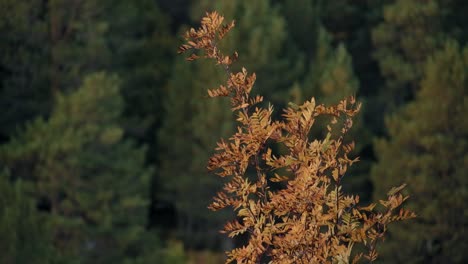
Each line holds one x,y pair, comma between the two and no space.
304,217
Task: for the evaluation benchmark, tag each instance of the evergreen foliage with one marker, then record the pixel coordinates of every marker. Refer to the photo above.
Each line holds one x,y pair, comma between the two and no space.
49,46
411,31
427,148
25,232
141,43
186,137
24,91
330,75
76,41
303,19
93,182
351,23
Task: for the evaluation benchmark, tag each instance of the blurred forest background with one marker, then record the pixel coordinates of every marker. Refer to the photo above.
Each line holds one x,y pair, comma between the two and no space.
105,131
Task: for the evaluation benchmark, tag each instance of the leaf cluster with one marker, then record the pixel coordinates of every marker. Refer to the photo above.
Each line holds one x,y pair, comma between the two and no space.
309,219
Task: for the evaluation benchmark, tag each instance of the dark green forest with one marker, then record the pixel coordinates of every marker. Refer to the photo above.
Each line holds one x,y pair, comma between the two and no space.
105,132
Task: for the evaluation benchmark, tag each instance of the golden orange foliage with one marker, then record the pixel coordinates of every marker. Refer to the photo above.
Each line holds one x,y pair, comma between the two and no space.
309,219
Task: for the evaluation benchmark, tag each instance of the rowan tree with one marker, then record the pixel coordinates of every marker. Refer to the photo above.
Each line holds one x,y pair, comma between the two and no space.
191,121
310,219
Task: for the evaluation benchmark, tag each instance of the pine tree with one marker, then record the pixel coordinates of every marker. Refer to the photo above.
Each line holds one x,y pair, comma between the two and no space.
330,75
76,40
140,39
142,48
410,33
185,138
92,182
427,148
303,18
47,48
351,23
455,20
25,233
24,91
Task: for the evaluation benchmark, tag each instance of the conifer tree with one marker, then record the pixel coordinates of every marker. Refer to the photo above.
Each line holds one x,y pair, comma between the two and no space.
303,18
25,233
47,48
92,182
185,138
142,48
427,148
410,33
76,41
351,23
24,91
331,74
